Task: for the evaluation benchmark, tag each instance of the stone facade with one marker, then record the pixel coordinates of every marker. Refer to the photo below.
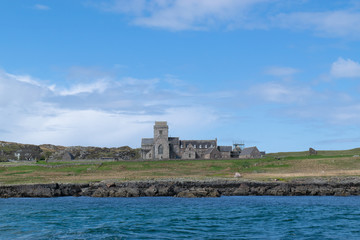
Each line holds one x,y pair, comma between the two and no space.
164,147
250,152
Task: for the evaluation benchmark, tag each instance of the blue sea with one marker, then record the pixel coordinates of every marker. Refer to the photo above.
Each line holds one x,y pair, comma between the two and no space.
248,217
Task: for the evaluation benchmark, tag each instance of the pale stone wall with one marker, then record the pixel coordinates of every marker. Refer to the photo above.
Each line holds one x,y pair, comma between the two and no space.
161,140
189,153
256,153
147,151
212,154
200,146
225,155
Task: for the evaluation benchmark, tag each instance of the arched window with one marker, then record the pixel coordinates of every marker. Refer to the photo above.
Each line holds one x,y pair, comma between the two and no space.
160,149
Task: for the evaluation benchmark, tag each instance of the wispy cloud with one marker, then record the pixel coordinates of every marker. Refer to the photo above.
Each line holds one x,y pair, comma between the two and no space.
281,71
345,68
178,15
182,14
329,23
99,86
346,114
41,7
282,93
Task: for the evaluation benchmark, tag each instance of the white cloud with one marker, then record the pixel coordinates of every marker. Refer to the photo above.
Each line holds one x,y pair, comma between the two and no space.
99,86
41,7
180,15
345,68
281,71
101,113
183,14
281,93
100,128
330,23
18,90
345,114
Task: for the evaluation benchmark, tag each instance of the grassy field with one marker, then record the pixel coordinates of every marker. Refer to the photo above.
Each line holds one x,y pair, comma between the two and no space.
282,166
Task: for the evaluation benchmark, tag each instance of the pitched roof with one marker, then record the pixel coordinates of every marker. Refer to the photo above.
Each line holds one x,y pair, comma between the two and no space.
209,150
190,147
225,148
197,143
147,141
247,151
174,140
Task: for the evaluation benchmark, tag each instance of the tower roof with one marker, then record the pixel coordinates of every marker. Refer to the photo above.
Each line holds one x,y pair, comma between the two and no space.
160,123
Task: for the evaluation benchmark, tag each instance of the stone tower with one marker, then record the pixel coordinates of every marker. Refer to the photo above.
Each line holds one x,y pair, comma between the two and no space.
161,140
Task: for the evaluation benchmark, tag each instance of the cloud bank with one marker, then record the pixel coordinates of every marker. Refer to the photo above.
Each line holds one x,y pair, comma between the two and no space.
103,112
109,111
179,15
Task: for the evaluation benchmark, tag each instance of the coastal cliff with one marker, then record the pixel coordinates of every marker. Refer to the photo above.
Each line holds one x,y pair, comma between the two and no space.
216,188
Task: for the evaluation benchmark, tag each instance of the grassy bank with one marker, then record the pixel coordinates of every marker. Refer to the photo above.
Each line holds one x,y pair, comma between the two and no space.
281,166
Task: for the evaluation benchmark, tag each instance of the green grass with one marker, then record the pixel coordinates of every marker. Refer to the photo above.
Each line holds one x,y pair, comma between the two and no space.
278,164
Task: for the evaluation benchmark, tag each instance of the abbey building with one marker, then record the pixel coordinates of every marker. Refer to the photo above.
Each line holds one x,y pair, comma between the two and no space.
161,146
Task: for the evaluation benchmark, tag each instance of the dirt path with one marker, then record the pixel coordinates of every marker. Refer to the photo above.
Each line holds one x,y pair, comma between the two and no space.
303,174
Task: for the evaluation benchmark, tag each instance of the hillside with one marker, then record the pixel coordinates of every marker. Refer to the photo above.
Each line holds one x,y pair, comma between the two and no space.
17,151
273,167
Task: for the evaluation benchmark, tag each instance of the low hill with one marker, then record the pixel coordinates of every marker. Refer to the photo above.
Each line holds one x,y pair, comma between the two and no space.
325,153
48,152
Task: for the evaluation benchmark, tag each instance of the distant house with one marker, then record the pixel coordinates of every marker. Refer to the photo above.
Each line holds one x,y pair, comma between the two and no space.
250,152
67,156
225,151
189,152
212,153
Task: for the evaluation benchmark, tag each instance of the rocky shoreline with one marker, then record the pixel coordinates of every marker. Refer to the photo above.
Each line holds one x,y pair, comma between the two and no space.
216,188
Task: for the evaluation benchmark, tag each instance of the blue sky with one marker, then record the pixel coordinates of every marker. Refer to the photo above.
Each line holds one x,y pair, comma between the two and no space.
282,75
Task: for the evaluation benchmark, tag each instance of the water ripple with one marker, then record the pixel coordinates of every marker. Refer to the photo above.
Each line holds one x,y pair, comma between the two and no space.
258,217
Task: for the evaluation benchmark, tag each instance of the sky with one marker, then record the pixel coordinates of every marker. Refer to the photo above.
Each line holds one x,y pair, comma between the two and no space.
281,75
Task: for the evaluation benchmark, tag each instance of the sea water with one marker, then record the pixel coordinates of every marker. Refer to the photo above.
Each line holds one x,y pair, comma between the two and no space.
250,217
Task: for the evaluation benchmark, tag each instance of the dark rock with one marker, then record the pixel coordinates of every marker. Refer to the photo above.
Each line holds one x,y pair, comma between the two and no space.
312,151
214,193
100,192
132,192
151,191
109,185
186,194
314,187
243,189
120,193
